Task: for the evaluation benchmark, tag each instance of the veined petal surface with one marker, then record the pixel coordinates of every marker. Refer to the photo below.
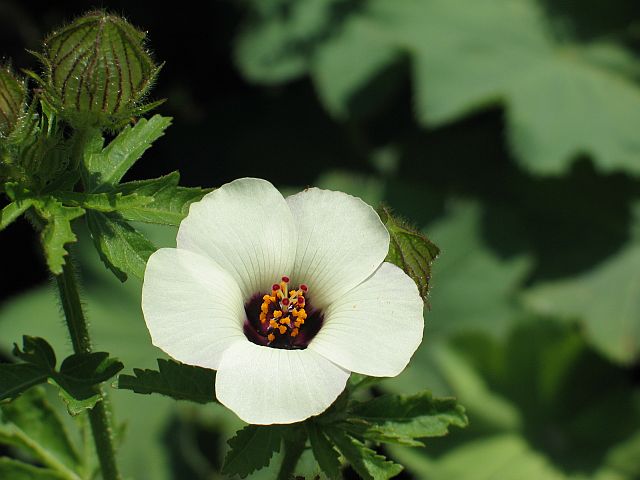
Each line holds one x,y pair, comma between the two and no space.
247,228
341,242
375,328
265,385
193,309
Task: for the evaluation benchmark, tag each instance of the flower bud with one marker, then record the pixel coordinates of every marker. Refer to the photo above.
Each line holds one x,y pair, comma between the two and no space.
97,70
13,94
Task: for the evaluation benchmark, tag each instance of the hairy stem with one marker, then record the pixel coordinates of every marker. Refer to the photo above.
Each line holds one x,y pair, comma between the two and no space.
98,415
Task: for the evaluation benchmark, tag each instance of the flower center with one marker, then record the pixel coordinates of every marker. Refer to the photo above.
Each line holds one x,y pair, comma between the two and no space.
282,318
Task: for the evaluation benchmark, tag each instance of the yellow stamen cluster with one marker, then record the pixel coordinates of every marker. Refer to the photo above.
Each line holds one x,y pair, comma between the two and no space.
284,310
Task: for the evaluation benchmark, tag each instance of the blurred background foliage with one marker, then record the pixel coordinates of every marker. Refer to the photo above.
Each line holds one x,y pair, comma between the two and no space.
508,130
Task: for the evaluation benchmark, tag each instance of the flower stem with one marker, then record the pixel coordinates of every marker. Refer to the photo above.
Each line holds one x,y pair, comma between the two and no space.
98,415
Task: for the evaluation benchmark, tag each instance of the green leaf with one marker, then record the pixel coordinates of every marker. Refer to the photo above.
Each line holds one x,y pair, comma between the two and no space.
405,418
121,247
17,378
367,463
605,298
57,232
170,202
31,425
173,379
12,211
252,449
410,250
36,351
103,202
326,456
15,470
106,168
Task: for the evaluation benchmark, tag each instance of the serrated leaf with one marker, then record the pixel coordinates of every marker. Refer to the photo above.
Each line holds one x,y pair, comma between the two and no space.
121,247
57,232
252,449
405,418
15,470
12,211
410,250
367,463
170,202
106,168
103,202
173,379
31,425
326,456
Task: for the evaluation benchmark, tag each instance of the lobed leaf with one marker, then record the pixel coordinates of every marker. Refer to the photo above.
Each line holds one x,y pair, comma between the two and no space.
103,202
170,202
173,379
121,247
405,418
252,449
12,211
326,456
367,463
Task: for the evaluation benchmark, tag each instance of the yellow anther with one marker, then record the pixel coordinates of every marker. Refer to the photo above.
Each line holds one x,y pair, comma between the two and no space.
267,298
302,314
293,293
294,312
264,307
294,332
282,329
297,323
285,320
277,314
263,317
273,323
271,337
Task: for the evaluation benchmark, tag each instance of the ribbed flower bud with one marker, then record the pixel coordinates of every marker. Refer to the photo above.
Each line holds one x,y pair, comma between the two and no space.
13,94
97,70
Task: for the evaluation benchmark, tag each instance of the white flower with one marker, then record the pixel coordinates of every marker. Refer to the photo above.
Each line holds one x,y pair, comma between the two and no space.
313,264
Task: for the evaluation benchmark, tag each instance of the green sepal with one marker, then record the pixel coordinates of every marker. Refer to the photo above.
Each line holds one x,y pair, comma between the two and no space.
410,250
170,202
12,211
121,247
252,448
173,379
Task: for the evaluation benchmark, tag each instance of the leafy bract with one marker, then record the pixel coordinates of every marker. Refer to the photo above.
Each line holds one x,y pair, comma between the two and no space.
107,167
323,451
12,211
122,248
605,298
173,379
252,449
410,250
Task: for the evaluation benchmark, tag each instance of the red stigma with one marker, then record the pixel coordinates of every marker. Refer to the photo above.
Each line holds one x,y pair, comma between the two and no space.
300,301
304,288
275,287
285,279
285,301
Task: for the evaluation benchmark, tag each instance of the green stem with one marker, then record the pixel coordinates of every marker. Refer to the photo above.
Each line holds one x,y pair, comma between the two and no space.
98,415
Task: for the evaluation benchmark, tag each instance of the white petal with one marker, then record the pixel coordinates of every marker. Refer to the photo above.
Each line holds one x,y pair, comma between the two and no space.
246,227
194,310
376,327
264,385
341,242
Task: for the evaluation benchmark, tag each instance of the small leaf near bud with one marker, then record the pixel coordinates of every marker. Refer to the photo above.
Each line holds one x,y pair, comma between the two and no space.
410,250
97,70
13,95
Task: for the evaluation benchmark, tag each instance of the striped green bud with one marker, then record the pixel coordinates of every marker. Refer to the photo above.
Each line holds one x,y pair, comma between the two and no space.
97,70
13,94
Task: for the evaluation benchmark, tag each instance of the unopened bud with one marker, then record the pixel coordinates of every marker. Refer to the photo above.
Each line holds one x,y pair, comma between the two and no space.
97,70
12,101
